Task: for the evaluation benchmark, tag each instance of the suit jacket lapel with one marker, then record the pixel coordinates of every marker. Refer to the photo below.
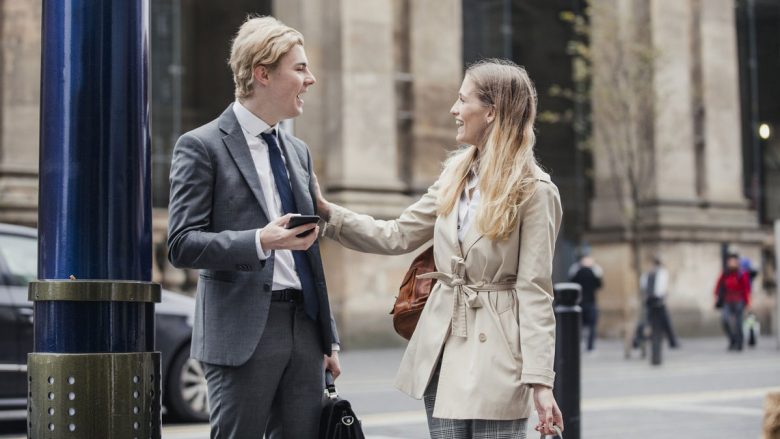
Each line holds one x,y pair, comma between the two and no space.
235,142
297,174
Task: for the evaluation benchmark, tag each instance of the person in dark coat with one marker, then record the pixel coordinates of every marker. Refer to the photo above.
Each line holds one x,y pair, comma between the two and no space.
587,274
654,285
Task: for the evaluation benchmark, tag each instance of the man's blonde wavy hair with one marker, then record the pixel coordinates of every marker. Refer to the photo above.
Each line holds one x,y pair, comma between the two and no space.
504,160
260,41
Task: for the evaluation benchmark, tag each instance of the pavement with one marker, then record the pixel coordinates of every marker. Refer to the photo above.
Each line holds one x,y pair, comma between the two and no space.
701,391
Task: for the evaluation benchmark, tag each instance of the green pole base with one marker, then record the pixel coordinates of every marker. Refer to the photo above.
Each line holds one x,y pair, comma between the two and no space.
100,396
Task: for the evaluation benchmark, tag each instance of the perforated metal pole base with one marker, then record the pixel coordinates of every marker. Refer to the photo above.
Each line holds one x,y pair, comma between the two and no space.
100,396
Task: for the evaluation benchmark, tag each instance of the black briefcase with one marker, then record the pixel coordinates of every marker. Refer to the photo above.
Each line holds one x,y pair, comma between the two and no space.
337,420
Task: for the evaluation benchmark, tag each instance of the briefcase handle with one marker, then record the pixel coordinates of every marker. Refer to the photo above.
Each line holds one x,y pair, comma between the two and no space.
558,433
330,385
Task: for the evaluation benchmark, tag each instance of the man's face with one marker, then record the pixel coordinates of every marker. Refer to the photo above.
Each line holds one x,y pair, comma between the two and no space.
288,81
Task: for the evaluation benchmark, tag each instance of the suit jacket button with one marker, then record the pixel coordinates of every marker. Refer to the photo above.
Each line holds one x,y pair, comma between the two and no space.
266,287
482,337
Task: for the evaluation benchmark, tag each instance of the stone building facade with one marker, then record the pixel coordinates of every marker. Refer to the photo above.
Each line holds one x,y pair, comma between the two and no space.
379,126
693,128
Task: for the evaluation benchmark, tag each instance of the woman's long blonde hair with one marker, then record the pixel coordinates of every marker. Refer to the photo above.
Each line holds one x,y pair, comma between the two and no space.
505,160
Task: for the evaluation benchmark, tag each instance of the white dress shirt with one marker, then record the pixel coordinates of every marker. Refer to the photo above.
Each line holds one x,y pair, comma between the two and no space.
285,275
467,206
661,283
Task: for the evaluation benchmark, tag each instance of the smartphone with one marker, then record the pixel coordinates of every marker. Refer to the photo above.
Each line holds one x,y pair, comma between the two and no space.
299,220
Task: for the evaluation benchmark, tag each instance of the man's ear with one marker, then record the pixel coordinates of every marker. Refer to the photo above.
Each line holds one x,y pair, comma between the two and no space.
261,74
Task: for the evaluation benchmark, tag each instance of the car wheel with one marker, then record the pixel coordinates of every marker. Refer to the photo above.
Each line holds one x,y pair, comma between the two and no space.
186,394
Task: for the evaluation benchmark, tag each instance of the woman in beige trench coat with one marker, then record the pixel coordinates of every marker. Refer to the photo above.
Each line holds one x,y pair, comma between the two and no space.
482,352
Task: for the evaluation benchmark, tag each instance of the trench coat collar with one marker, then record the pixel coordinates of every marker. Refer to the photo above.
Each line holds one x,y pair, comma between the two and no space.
450,223
473,235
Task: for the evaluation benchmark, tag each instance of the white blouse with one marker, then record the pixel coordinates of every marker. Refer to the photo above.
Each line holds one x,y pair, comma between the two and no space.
467,207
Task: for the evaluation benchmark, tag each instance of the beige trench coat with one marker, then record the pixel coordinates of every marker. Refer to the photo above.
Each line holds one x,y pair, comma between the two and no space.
490,315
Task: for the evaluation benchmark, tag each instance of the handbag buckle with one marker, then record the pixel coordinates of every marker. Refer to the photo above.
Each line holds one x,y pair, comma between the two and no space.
347,420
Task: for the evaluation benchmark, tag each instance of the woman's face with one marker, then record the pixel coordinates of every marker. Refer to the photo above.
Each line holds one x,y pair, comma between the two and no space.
472,116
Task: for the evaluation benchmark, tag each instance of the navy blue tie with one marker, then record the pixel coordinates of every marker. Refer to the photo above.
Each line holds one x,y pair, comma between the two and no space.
302,265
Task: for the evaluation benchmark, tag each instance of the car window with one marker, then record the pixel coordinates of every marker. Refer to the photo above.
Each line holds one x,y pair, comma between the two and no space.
21,256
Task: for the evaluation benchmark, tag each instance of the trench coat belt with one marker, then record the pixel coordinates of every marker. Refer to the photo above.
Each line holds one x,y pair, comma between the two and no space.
465,295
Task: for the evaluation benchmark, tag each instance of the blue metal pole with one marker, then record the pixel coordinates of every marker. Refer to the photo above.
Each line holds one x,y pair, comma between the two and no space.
93,372
94,206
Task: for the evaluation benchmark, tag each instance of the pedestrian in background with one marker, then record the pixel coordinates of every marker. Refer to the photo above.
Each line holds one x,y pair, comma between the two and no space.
750,326
588,275
732,296
483,350
654,285
746,266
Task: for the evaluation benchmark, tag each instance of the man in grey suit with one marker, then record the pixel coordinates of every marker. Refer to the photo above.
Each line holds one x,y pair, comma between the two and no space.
263,327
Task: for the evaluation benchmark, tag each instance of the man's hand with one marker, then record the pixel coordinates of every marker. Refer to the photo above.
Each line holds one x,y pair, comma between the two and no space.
547,409
323,209
274,236
332,363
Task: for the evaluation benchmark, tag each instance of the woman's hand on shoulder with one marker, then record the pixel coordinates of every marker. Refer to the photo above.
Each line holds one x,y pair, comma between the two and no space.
547,409
323,208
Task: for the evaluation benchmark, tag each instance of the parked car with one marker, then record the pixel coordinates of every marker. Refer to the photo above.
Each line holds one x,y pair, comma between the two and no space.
184,383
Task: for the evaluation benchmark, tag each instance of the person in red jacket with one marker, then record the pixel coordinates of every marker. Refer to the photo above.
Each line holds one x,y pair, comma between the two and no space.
732,295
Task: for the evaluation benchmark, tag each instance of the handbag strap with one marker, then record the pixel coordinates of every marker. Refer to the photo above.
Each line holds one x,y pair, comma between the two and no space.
557,432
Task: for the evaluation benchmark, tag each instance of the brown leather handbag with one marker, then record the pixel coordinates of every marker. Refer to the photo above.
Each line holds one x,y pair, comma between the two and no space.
413,294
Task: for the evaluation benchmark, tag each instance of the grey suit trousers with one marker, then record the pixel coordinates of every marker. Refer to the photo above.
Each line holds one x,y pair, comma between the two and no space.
278,391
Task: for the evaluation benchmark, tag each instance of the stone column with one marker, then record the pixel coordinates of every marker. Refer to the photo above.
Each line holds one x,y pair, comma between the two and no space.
350,120
436,60
362,53
350,123
20,48
695,203
673,131
720,99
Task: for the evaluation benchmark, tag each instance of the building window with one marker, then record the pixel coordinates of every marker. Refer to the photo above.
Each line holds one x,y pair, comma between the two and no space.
191,81
759,62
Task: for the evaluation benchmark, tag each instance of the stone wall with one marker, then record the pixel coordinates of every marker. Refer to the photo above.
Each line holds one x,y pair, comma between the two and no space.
693,201
20,66
378,124
372,155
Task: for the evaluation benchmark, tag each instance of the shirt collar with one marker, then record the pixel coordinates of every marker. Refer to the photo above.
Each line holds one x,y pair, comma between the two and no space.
473,181
250,123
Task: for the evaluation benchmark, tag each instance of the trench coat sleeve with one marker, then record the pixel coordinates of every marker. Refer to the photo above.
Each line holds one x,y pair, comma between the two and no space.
392,237
539,228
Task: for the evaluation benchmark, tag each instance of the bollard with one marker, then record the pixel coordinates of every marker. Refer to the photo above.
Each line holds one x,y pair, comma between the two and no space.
568,325
656,332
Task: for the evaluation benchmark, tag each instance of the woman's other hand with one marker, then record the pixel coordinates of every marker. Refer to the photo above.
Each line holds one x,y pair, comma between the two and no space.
323,209
547,409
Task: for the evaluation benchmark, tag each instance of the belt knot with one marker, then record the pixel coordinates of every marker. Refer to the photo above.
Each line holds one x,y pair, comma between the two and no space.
465,295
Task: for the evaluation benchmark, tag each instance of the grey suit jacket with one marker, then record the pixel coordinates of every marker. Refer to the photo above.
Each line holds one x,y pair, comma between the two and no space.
216,205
